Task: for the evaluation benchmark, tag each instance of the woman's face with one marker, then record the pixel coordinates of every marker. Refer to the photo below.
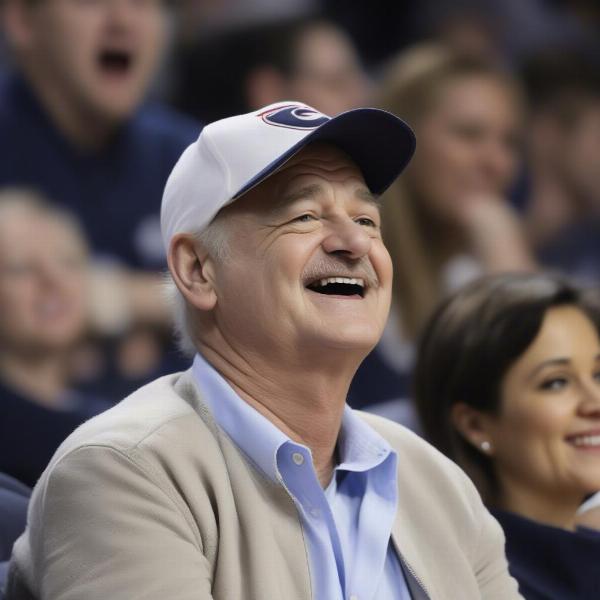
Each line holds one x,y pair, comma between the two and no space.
42,283
466,146
546,440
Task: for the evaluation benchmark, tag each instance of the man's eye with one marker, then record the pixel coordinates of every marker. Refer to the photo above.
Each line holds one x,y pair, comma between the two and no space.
366,222
305,218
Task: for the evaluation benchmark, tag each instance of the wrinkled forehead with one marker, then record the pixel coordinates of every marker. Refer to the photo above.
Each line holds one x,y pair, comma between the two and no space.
321,154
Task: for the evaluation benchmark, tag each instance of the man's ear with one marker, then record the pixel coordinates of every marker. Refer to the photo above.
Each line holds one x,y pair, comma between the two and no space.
474,426
192,270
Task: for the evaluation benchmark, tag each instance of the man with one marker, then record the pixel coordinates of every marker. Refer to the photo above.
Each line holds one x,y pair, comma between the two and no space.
247,476
74,125
563,179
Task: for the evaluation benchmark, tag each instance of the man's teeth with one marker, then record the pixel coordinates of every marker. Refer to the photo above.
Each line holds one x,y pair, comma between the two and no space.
587,440
348,280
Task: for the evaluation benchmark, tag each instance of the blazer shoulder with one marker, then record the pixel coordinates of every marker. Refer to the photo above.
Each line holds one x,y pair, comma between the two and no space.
162,406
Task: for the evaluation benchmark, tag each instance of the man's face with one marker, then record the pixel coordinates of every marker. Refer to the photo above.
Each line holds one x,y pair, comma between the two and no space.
307,271
99,54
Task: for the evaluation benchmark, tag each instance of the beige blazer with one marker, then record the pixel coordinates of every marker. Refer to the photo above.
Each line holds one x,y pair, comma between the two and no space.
151,500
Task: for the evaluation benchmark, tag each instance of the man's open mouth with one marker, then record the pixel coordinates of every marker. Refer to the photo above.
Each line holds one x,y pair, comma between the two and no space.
339,286
115,62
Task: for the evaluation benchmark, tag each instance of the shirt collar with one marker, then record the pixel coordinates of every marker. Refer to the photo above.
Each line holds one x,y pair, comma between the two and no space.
360,448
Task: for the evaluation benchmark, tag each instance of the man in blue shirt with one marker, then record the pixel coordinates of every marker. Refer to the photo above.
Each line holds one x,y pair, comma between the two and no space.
74,124
248,476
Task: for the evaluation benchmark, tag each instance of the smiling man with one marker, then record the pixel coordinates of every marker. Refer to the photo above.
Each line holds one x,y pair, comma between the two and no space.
248,477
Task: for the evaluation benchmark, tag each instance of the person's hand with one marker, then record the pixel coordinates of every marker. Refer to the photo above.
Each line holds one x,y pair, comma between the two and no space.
494,233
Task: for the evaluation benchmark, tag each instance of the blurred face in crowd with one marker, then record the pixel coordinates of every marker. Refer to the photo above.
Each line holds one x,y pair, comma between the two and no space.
42,282
466,147
99,54
546,440
327,73
307,259
578,156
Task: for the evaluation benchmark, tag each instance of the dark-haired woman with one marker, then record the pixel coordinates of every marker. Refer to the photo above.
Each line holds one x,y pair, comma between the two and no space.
508,385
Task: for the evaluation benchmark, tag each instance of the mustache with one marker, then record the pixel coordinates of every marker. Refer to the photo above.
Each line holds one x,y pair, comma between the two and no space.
337,266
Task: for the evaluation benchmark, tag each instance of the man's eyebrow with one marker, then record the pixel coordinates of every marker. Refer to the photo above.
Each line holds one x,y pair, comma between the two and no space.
307,191
367,196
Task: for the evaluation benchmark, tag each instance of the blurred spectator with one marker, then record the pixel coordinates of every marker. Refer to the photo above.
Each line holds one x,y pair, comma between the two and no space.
73,123
43,312
507,385
563,196
447,219
307,59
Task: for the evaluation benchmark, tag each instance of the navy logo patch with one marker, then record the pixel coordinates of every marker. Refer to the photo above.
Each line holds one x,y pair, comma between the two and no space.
294,116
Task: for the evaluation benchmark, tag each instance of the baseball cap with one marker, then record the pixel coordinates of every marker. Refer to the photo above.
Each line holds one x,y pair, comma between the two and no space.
233,155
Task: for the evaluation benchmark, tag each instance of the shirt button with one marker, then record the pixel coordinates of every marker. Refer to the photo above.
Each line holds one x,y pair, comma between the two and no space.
354,597
298,458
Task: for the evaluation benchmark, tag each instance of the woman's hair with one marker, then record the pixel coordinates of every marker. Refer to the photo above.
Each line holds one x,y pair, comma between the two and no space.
411,88
468,346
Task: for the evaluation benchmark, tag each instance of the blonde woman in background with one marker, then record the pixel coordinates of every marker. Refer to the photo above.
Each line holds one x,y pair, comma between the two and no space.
447,219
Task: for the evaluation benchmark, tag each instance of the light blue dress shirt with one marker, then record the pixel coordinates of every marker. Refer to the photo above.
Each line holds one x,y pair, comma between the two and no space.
347,526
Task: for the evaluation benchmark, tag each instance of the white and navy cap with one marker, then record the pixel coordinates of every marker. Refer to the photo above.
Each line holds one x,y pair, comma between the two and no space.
233,155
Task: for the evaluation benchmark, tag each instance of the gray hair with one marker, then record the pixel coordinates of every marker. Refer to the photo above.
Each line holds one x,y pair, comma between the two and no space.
214,238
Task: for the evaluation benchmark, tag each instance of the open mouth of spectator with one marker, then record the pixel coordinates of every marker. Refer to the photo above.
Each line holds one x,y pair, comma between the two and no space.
115,62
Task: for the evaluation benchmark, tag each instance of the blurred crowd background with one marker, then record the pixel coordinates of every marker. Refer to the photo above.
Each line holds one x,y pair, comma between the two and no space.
98,98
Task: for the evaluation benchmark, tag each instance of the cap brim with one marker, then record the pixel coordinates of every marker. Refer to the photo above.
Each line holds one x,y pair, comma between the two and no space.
378,142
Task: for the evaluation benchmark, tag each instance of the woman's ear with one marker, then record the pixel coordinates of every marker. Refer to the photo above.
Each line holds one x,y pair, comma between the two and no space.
474,426
192,270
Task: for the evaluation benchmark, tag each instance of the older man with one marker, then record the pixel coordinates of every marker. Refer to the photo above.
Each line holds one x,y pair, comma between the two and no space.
247,477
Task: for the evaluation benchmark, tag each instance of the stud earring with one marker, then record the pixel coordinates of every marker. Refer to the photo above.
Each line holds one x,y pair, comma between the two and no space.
485,446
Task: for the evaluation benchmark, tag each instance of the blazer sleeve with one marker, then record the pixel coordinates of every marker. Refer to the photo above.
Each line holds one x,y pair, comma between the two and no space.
107,530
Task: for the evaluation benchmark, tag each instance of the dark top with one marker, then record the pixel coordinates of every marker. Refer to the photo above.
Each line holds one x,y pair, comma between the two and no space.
116,192
376,381
551,563
14,498
576,251
30,433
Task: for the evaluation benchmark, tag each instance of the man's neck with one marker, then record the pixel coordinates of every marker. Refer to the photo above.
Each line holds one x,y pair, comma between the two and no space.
83,129
305,402
42,378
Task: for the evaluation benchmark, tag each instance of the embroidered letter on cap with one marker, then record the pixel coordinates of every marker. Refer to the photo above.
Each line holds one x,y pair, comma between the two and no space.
294,116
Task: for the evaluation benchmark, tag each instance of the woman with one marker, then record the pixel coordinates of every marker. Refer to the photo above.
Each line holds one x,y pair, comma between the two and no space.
43,314
507,385
447,219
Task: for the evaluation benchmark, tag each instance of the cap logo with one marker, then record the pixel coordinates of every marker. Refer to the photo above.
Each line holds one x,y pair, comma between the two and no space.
294,116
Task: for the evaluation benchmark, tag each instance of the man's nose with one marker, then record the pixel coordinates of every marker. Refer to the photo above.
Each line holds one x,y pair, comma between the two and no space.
348,238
